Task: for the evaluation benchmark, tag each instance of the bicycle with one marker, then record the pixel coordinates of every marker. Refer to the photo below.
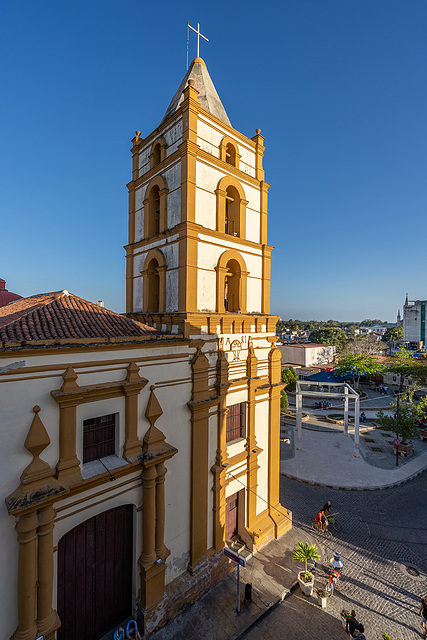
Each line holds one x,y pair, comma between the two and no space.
332,582
326,532
335,526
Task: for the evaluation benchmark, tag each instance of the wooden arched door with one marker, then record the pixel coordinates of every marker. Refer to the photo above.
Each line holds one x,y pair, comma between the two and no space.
95,575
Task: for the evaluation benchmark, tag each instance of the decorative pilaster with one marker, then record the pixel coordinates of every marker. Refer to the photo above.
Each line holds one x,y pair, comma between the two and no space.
148,556
68,467
155,451
279,515
199,407
251,444
32,501
160,547
219,468
26,528
47,619
132,446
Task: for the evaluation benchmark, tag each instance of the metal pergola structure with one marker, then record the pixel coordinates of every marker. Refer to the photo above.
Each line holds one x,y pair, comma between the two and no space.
343,392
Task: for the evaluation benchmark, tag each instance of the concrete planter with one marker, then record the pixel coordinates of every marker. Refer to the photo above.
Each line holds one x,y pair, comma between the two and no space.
306,587
404,449
423,434
321,598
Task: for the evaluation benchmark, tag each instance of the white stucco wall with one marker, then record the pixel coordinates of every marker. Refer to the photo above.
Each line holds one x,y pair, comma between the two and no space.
209,138
173,138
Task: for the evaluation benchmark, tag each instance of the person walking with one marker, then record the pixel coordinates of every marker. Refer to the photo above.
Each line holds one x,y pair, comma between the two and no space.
423,614
351,623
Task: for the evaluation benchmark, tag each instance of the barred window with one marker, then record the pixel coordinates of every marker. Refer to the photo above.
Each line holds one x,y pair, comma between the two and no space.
236,421
99,437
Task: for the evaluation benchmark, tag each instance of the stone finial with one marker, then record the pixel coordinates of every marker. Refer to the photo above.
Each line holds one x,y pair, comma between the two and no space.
37,481
153,410
154,445
199,360
133,373
36,441
137,135
69,384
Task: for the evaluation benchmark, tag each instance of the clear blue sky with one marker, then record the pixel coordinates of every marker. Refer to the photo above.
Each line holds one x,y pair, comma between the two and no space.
338,88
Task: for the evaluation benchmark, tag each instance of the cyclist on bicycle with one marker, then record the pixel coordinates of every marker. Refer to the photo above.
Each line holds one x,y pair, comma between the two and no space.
328,511
321,520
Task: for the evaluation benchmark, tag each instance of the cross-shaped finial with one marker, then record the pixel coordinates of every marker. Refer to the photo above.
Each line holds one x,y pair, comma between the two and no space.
199,35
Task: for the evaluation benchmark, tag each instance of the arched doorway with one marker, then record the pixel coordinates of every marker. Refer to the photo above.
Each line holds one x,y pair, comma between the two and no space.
95,575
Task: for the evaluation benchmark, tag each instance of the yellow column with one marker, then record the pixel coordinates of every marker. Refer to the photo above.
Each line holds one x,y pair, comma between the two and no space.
251,445
129,280
27,577
160,547
259,153
47,618
278,514
266,279
219,468
161,270
68,467
148,556
132,445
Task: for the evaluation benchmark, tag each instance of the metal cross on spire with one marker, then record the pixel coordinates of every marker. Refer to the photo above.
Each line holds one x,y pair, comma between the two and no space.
199,35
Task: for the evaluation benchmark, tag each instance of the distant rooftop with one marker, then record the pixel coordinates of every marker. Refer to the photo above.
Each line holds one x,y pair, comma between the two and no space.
5,295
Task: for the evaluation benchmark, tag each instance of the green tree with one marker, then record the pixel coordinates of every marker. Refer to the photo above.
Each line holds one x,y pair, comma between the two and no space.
392,334
421,408
407,419
358,364
404,365
370,323
329,335
289,377
284,402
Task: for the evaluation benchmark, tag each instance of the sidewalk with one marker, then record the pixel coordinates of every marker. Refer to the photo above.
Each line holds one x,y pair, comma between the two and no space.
273,575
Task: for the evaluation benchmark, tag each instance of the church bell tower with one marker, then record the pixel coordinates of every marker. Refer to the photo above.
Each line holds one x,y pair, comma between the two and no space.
198,265
198,261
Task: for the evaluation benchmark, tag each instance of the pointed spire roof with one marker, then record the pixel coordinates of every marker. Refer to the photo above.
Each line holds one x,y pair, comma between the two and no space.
208,96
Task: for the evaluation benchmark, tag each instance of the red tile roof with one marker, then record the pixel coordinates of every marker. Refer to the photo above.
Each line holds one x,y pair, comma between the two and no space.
60,316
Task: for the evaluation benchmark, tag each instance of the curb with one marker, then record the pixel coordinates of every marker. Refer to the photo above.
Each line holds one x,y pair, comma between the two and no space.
367,488
285,594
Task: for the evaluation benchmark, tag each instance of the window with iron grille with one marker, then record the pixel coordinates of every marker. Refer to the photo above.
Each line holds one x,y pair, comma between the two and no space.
236,421
99,437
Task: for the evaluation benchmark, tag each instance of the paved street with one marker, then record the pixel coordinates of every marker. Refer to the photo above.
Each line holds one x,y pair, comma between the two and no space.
382,532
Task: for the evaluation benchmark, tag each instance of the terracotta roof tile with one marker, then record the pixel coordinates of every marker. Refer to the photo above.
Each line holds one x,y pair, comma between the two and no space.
61,315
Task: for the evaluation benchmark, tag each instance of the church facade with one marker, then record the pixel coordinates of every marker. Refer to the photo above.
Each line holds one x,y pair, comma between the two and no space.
136,447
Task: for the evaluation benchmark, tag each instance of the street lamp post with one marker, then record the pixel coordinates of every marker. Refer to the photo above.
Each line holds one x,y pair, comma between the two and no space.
397,430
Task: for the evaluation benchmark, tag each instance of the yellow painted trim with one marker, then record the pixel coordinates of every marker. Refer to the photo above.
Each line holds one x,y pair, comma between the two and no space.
221,193
154,254
159,182
221,272
157,157
223,151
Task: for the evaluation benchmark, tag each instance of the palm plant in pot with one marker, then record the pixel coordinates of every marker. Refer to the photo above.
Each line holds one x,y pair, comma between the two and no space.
303,552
